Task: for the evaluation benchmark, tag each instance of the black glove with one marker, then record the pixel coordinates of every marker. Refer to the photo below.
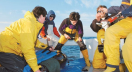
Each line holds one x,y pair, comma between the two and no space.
101,48
72,36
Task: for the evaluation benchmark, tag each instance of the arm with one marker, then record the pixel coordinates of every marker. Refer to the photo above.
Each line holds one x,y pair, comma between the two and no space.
56,32
27,45
80,29
127,12
42,33
94,26
116,9
62,27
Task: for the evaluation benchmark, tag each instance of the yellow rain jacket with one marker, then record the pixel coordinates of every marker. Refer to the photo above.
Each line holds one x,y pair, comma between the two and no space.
20,38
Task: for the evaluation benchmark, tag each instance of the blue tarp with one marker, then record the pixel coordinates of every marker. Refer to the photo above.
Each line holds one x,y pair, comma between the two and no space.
40,57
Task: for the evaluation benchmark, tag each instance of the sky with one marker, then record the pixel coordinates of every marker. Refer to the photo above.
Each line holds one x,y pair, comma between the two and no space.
12,10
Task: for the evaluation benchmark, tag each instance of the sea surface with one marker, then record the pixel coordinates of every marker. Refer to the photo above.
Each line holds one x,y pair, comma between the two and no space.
72,52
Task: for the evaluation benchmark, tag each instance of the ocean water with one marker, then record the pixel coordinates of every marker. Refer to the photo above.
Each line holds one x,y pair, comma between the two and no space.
74,63
72,52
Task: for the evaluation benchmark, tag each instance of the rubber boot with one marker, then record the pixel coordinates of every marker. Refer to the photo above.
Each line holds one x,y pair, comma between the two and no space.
122,67
86,58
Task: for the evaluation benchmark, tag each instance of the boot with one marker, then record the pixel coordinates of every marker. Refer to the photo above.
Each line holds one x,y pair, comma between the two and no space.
86,58
122,67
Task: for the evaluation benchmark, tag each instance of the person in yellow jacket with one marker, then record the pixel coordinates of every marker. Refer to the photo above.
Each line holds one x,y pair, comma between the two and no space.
18,40
122,29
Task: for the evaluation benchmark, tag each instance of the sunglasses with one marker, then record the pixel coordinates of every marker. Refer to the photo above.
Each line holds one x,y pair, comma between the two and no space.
51,15
100,12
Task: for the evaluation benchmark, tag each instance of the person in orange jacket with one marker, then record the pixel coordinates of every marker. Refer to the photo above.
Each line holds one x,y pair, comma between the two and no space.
49,30
18,40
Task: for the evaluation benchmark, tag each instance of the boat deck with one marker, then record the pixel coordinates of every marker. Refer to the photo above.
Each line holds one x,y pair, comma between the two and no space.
95,70
77,66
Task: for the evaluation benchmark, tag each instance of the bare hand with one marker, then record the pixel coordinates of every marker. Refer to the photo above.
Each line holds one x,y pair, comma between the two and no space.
38,71
48,39
121,15
98,16
79,39
51,49
67,36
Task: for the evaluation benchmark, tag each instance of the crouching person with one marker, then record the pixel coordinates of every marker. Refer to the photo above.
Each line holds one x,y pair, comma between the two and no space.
71,29
18,40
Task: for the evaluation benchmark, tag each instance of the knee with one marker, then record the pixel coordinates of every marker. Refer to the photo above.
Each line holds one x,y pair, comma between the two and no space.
81,45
